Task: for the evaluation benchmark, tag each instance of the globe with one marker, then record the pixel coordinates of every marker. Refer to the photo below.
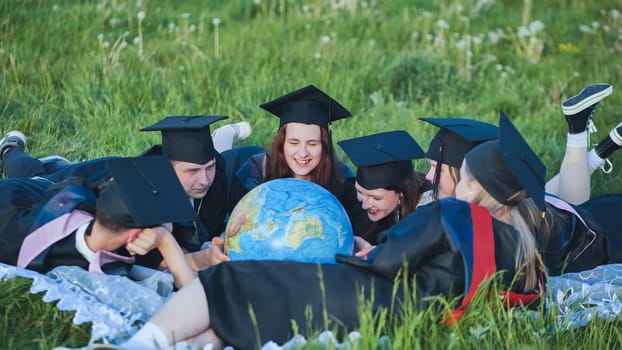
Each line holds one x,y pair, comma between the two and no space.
288,219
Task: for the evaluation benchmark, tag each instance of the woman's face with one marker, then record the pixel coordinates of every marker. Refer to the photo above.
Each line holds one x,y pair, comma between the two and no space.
446,184
302,148
378,203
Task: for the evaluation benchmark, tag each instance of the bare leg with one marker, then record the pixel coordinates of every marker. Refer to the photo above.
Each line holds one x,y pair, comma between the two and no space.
184,316
572,184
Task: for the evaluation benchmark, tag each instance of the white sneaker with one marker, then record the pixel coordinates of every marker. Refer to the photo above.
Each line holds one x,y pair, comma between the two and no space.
242,131
12,139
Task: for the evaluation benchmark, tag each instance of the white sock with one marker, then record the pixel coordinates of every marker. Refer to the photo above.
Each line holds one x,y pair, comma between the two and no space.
577,140
594,160
148,337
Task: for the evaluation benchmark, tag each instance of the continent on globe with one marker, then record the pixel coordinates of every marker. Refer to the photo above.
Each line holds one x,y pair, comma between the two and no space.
289,219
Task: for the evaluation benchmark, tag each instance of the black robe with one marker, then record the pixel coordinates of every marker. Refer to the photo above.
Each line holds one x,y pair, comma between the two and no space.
574,247
281,292
23,202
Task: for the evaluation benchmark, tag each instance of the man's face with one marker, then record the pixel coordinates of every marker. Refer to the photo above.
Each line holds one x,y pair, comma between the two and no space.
196,179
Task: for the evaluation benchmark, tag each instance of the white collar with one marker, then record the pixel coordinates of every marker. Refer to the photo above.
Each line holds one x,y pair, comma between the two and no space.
81,245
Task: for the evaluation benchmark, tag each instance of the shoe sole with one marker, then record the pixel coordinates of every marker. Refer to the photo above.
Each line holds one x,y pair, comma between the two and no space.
587,97
54,158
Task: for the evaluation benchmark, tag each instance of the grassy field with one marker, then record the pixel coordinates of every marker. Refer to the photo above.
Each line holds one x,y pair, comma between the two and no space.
79,78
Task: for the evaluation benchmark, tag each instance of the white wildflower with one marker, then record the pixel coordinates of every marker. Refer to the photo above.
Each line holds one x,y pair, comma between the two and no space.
461,45
192,28
595,24
216,21
325,39
136,40
100,37
106,44
477,40
536,26
494,37
442,24
429,37
499,67
523,32
317,56
584,28
123,44
141,15
615,14
605,27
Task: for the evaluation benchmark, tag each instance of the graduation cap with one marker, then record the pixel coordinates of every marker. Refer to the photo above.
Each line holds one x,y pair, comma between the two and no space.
382,159
187,138
507,166
144,192
456,137
308,105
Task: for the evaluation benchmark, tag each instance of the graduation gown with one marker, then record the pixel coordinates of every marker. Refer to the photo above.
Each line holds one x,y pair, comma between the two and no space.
438,242
28,204
577,245
251,173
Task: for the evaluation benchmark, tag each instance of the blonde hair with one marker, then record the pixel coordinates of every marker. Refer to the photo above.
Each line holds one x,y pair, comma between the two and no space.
525,218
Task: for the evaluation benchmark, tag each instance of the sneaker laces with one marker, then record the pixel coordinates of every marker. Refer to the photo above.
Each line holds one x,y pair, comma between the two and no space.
607,167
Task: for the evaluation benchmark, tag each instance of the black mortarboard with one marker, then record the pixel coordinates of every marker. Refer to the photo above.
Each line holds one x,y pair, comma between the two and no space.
144,192
382,159
308,105
456,137
508,165
187,138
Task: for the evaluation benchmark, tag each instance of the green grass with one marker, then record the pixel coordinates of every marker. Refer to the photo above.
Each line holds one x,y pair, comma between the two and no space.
77,93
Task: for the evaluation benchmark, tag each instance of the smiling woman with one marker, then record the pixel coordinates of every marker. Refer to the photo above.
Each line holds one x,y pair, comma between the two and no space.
303,148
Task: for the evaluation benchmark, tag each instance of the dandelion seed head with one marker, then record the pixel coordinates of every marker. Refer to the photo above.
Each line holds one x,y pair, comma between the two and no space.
305,8
181,68
185,15
426,14
523,32
459,8
461,45
141,15
499,67
494,37
584,28
257,2
477,40
216,21
55,8
371,43
442,24
325,39
536,26
192,28
576,74
317,56
139,3
414,35
595,24
123,44
307,26
615,14
113,22
100,37
504,75
429,37
605,27
136,40
105,44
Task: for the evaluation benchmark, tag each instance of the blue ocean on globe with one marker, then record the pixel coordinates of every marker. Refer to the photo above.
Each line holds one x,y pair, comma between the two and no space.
289,219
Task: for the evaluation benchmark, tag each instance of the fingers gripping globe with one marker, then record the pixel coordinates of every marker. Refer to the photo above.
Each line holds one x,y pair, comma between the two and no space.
289,219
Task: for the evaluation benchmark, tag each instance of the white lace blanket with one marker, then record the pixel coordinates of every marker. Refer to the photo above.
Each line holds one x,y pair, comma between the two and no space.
113,304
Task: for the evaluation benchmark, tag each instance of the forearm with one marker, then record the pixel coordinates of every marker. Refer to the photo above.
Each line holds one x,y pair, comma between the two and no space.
175,260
